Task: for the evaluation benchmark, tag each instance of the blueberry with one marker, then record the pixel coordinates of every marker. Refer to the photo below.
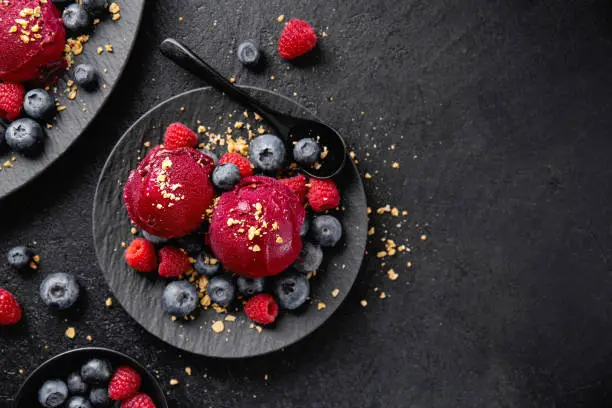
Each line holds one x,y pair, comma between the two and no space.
78,402
250,286
180,298
305,227
76,19
248,53
96,371
306,152
19,257
53,393
59,290
267,153
99,397
325,230
95,7
210,154
310,258
25,136
225,176
86,76
76,385
207,265
291,290
221,290
193,243
153,238
39,105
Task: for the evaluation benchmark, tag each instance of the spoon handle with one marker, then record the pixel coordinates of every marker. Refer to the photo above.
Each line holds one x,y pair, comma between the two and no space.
187,59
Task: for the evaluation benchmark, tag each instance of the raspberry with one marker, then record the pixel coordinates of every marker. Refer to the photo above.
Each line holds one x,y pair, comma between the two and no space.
243,164
323,195
172,262
297,39
140,255
10,312
261,308
138,401
178,135
125,383
297,184
11,100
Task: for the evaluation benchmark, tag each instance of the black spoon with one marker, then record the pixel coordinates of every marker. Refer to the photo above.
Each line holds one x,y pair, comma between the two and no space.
290,128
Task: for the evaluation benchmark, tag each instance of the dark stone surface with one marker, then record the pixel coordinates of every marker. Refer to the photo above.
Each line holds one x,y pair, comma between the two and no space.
500,113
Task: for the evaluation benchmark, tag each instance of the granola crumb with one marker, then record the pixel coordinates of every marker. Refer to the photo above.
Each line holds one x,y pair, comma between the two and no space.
395,165
371,231
89,338
114,8
109,302
230,318
382,295
100,50
423,237
363,303
70,332
174,381
218,326
233,80
335,292
321,306
134,231
123,245
367,176
108,47
180,19
392,274
409,264
21,371
280,18
188,370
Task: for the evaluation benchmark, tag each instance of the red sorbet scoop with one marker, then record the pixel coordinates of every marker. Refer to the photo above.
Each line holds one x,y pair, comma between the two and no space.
32,38
169,192
255,229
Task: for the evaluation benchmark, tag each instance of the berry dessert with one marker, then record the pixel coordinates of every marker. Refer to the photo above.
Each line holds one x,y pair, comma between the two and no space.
231,233
96,384
38,42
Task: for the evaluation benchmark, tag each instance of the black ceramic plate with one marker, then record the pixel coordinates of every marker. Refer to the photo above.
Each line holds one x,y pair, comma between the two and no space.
63,364
141,296
72,122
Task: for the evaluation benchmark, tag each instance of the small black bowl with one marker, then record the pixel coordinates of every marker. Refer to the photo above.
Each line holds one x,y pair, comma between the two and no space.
63,364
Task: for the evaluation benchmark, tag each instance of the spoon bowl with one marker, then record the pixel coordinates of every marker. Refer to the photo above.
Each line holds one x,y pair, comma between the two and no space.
291,129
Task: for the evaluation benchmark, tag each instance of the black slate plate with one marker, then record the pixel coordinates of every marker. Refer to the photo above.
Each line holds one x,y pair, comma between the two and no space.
69,124
141,296
63,364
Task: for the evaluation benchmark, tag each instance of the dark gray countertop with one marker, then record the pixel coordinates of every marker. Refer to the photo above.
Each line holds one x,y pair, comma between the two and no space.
500,114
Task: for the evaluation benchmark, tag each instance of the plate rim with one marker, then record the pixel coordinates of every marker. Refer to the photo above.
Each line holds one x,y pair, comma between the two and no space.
109,94
107,163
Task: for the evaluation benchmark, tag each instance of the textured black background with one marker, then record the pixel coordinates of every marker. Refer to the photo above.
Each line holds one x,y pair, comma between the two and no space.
501,115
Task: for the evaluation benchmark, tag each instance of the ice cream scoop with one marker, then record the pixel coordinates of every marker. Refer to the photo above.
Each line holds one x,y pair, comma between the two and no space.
169,192
255,228
32,38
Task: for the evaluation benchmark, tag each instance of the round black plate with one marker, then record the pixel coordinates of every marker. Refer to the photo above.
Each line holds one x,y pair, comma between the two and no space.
141,296
63,364
72,122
